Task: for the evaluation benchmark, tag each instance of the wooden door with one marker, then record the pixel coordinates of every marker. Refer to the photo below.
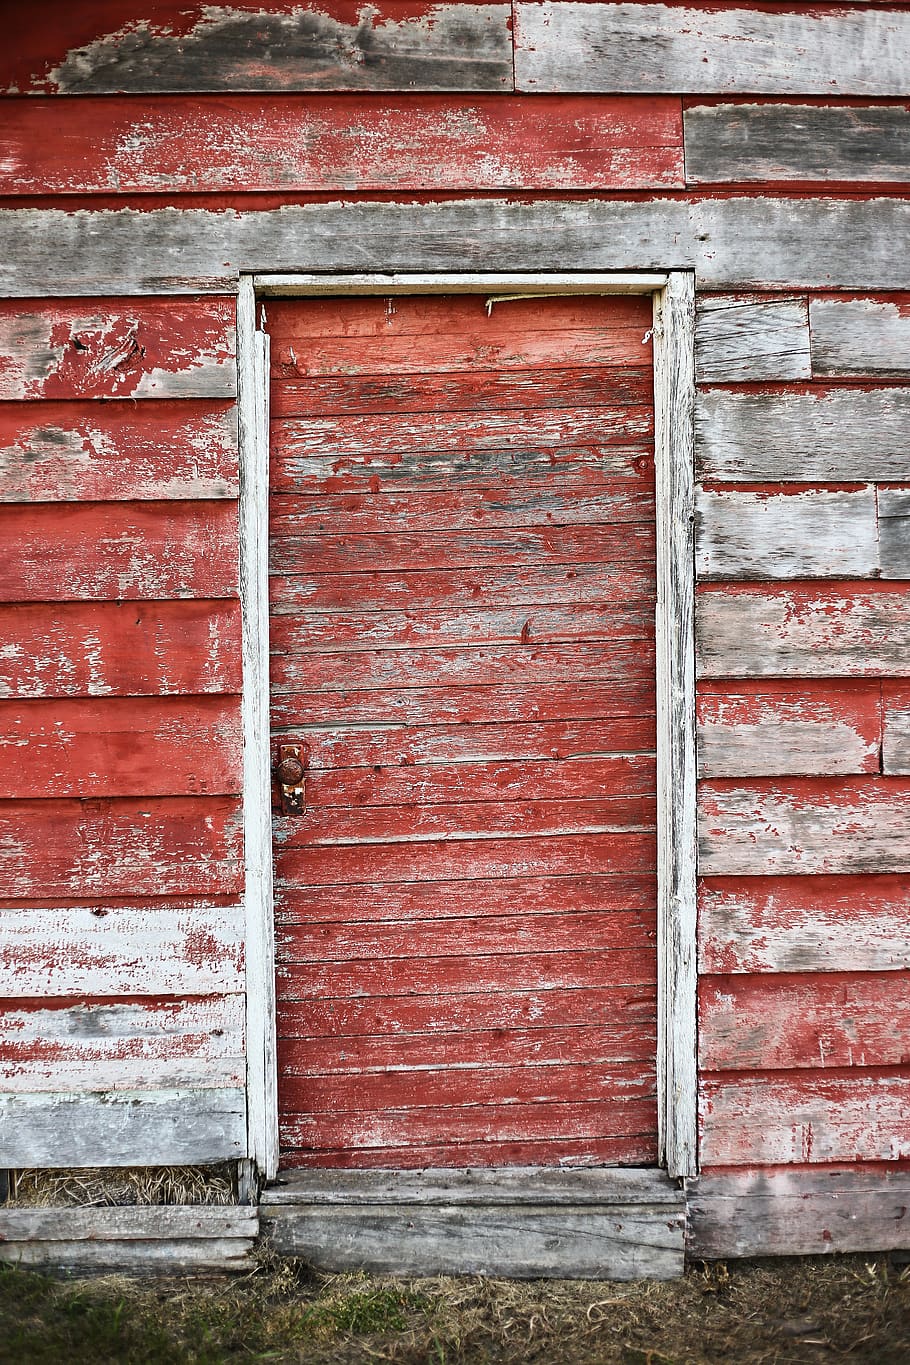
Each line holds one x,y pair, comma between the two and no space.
462,634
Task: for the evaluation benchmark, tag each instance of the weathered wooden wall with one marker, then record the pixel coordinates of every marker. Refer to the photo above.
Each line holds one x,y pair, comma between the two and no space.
150,154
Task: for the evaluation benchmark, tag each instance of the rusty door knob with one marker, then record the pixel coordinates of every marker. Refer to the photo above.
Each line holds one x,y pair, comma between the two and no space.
290,771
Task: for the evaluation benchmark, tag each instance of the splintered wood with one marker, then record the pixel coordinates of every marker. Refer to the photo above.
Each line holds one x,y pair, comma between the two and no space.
462,596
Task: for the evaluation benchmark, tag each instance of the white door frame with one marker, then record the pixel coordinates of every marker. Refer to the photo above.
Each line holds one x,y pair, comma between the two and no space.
673,294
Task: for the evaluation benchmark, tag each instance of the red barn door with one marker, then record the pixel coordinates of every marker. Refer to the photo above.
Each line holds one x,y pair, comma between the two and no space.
462,588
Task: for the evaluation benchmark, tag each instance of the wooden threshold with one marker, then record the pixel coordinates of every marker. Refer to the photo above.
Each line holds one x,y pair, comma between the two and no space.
522,1222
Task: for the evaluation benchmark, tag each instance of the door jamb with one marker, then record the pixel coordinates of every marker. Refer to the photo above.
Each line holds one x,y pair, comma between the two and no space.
673,294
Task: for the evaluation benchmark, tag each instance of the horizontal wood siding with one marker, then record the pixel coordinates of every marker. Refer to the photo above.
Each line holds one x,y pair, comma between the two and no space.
120,777
803,714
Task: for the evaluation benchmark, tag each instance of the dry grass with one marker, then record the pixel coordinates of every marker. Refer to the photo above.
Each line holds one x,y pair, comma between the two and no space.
122,1185
759,1313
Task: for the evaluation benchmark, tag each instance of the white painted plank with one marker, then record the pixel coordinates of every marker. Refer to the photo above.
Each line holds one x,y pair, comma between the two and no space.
800,730
201,1255
737,143
189,949
778,830
139,1045
733,242
787,535
844,435
674,397
523,1242
804,924
123,1128
798,1213
147,1223
742,339
894,531
802,632
652,48
858,337
253,358
896,729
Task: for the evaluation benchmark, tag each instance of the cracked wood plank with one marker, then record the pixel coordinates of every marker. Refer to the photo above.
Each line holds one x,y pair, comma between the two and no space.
741,339
896,728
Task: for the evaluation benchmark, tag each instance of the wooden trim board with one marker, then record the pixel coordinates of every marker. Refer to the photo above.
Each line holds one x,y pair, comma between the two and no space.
522,1222
674,409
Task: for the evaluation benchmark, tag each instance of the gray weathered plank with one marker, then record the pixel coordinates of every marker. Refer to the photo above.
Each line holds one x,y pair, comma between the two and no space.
651,48
787,535
798,1213
857,337
845,434
123,1128
177,1256
145,1223
742,339
894,530
539,1186
524,1241
737,242
780,142
782,830
800,729
449,47
896,729
802,632
804,924
190,948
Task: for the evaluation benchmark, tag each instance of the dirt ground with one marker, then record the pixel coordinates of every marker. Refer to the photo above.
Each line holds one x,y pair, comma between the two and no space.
814,1310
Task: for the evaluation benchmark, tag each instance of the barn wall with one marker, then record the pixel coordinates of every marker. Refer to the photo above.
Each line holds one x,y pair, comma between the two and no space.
764,148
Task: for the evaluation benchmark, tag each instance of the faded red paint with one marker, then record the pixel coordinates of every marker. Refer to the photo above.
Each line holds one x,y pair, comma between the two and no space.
496,882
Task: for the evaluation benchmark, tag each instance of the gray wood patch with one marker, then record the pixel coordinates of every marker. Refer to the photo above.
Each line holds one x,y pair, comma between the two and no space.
787,535
799,1213
450,47
778,142
894,530
540,1186
123,1128
896,733
844,435
784,633
651,48
735,243
858,337
176,1256
745,339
